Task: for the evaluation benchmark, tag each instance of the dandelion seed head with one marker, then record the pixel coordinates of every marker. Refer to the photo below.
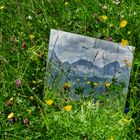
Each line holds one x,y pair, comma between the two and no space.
105,7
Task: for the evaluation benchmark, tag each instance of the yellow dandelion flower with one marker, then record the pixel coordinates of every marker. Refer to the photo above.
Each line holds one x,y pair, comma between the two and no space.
66,3
34,82
129,65
11,99
95,84
124,42
31,36
68,108
103,18
29,111
123,23
111,138
107,84
49,102
31,98
126,120
129,32
88,82
125,61
21,33
67,85
11,115
2,7
97,104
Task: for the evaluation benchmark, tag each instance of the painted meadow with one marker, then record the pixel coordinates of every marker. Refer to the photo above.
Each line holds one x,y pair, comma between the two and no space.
30,108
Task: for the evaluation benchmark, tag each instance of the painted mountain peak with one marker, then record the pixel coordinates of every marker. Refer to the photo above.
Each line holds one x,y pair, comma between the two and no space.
84,66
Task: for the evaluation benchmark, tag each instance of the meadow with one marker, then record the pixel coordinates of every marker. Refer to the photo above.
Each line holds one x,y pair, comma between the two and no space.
28,108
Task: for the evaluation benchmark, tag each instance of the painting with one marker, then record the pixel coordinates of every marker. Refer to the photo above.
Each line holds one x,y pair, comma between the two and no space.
90,65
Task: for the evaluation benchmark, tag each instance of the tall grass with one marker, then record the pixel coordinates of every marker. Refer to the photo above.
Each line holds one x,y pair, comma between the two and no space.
25,27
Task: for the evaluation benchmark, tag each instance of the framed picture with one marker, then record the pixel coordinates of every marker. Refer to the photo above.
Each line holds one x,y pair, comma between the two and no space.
89,65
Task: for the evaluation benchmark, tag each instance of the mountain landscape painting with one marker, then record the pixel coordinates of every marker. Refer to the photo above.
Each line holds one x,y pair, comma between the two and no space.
89,65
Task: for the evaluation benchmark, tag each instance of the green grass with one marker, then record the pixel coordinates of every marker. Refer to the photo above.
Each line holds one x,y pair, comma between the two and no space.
85,121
